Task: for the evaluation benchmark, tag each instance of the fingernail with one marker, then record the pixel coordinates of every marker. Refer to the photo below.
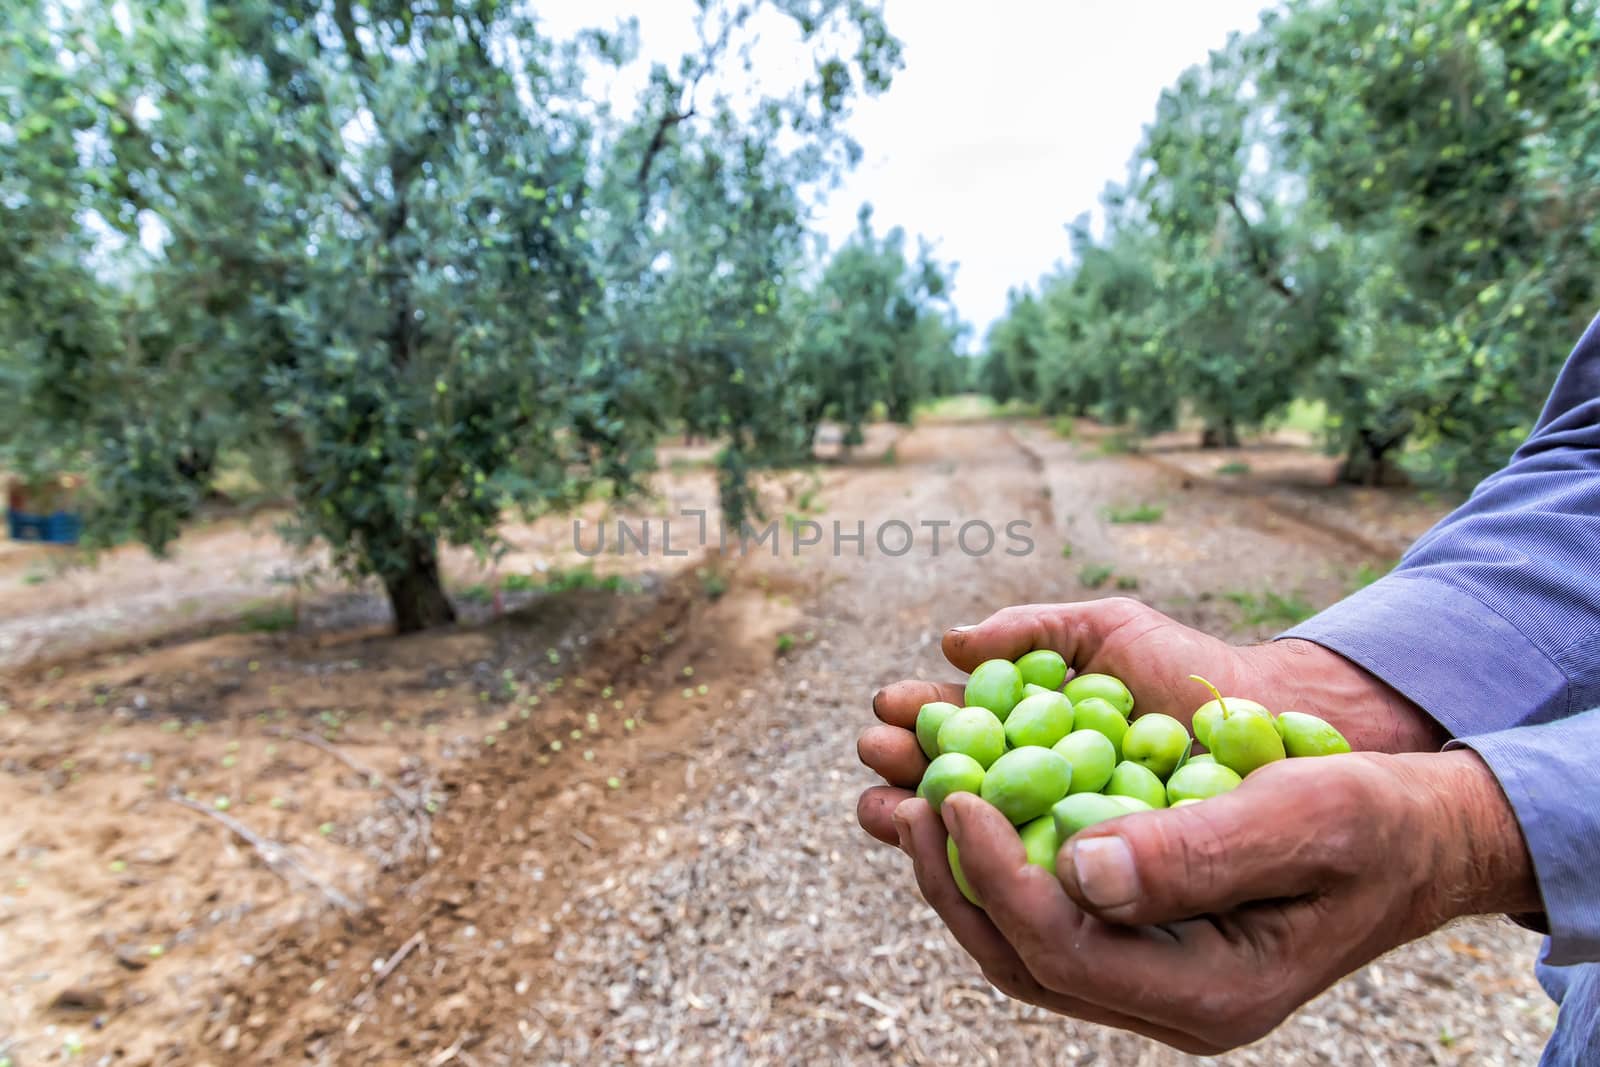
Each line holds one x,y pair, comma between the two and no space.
963,629
902,827
951,817
1105,871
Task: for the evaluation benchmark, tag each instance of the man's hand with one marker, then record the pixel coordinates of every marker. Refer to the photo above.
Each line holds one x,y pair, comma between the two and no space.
1154,655
1206,926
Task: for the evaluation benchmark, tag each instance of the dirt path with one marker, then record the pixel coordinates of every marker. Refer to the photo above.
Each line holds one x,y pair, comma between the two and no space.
736,914
680,879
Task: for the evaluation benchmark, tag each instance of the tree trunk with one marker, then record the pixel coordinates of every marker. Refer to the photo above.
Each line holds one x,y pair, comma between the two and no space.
1367,461
900,409
1221,434
417,594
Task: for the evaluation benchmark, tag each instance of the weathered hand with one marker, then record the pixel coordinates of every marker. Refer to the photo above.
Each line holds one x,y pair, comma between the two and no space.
1206,926
1154,655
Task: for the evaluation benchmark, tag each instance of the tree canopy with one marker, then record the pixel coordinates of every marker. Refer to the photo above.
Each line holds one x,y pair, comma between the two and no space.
403,260
1382,206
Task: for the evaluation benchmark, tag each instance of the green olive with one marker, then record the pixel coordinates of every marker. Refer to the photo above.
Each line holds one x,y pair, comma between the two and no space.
1307,735
1243,741
1043,667
1031,690
1203,757
997,685
1131,779
1092,756
953,772
1041,842
1130,804
974,731
1093,713
1039,720
1024,782
1196,781
955,871
929,718
1156,742
1208,714
1107,688
1081,810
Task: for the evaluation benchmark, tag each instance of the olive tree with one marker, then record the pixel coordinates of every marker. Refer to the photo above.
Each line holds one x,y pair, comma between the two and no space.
1448,150
379,250
1383,206
877,331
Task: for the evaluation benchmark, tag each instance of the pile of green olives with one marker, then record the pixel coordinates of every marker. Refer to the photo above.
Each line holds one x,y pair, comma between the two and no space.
1055,755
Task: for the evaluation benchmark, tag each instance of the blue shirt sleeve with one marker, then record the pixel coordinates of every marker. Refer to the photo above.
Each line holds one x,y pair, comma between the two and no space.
1491,624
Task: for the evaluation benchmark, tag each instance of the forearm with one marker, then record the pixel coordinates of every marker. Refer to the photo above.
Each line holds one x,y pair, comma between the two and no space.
1371,714
1478,850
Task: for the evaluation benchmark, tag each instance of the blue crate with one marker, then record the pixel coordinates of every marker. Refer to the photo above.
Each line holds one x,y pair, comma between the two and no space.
59,528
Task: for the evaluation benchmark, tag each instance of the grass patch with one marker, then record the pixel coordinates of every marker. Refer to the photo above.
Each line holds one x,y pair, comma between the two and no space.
556,580
1066,426
1366,574
712,583
1095,575
1127,582
960,406
785,644
1307,416
1066,551
267,618
1271,609
1117,443
562,580
1140,513
809,501
1235,467
476,594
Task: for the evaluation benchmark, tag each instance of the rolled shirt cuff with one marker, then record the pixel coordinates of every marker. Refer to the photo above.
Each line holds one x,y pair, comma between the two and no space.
1445,650
1548,775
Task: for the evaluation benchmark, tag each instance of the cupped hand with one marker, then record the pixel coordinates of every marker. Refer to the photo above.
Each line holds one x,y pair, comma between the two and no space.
1154,655
1206,926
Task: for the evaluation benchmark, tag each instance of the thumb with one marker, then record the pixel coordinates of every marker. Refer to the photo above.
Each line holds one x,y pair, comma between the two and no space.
1208,858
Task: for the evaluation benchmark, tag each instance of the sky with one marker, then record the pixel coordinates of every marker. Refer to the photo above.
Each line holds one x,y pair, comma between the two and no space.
1006,123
